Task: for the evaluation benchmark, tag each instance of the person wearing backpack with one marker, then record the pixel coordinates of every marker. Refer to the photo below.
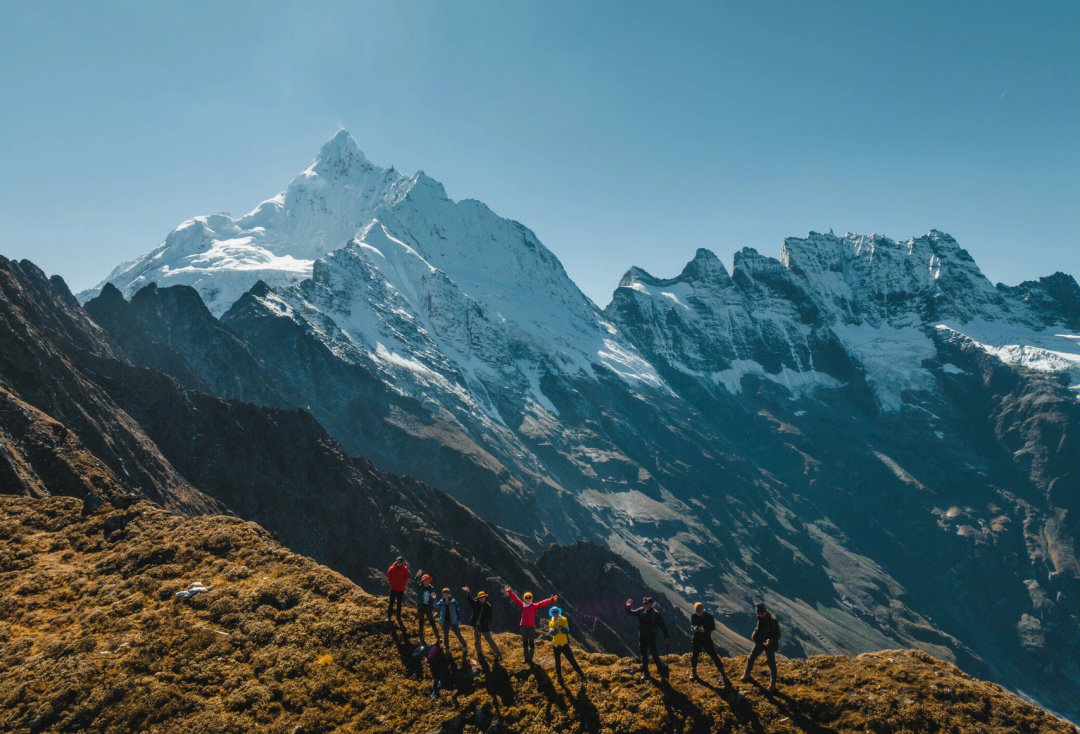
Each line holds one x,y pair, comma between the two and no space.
398,578
425,605
702,625
766,639
481,622
450,617
437,663
528,618
649,623
559,629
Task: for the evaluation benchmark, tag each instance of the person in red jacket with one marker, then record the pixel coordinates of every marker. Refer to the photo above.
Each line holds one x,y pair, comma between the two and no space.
528,618
398,577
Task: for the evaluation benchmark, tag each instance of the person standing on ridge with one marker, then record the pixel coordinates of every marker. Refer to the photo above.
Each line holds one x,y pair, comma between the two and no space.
528,618
766,639
450,618
425,605
649,622
481,622
398,578
702,625
559,629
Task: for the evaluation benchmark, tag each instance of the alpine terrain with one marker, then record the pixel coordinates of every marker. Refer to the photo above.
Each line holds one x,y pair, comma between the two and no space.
866,434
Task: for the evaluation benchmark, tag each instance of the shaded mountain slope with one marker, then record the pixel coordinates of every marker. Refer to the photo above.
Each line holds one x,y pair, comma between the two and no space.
92,639
50,355
275,466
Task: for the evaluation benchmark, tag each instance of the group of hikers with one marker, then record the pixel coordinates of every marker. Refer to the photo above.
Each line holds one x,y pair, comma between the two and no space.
441,610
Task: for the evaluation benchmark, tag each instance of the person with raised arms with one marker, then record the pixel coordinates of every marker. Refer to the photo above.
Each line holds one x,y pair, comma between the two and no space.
528,618
649,623
481,621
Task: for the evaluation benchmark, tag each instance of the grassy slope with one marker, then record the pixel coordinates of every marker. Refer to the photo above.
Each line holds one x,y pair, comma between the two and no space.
91,639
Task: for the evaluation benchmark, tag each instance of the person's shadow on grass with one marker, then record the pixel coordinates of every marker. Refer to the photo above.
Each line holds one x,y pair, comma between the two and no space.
790,708
585,710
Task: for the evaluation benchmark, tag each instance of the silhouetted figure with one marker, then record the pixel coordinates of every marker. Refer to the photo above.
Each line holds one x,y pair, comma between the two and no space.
649,623
703,625
766,639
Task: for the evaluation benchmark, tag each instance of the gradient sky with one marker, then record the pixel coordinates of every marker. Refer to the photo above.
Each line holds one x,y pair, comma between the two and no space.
622,134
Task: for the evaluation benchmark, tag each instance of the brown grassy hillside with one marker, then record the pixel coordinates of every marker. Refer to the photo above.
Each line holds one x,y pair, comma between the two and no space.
91,639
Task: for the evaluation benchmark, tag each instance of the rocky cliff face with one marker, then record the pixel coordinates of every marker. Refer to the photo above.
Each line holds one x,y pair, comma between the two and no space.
799,430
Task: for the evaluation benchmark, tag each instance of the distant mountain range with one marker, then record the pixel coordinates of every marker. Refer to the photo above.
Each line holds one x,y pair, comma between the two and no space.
867,434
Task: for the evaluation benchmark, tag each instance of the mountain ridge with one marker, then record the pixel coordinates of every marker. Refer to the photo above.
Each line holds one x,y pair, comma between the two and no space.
93,639
763,433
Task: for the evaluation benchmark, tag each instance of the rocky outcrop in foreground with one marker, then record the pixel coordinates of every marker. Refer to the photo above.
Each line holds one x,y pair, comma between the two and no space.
93,638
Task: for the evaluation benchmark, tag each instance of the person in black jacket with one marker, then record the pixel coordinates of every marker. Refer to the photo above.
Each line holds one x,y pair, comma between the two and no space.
481,621
766,639
649,622
702,625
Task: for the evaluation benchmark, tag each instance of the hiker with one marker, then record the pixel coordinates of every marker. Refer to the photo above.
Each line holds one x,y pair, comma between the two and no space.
766,639
425,604
649,621
559,629
450,618
398,578
528,618
439,665
703,625
481,621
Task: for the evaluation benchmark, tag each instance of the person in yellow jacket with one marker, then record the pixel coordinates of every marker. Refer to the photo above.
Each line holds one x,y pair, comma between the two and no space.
559,629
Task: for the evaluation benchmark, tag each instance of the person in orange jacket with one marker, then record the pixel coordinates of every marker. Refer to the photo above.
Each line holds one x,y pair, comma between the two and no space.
528,618
398,578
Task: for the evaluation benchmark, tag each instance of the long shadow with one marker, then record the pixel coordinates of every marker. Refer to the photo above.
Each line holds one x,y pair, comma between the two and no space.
790,708
414,665
738,704
497,682
682,710
464,676
547,688
585,710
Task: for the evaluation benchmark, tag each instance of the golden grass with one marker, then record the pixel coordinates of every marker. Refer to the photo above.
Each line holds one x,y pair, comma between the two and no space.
91,639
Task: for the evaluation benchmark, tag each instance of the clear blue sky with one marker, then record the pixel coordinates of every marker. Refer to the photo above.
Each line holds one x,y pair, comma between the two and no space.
621,133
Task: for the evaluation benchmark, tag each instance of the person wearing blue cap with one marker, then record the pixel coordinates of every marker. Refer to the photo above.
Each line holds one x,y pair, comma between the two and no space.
559,629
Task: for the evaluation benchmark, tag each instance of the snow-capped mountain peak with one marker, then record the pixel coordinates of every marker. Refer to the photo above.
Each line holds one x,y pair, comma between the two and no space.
339,156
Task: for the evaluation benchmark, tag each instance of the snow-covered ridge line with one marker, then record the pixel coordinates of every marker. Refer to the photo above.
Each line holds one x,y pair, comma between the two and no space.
876,299
394,267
